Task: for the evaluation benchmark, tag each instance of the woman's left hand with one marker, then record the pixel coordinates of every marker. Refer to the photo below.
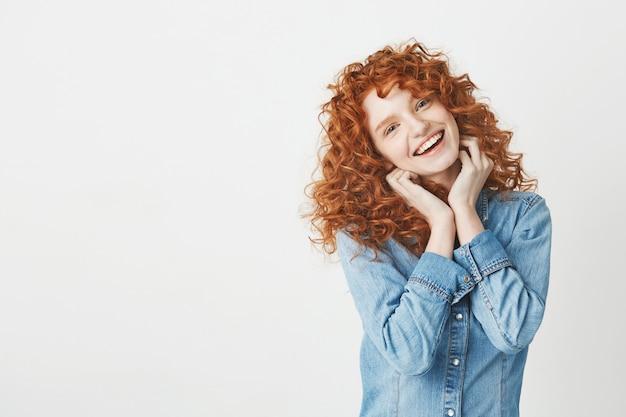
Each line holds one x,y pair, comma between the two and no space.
475,169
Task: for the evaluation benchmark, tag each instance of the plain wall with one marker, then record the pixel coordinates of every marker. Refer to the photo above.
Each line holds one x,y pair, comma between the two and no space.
153,156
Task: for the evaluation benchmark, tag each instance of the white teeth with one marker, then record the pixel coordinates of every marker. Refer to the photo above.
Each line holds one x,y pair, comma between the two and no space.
429,143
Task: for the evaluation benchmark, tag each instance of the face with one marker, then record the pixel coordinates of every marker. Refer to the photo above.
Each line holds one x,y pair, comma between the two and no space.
414,134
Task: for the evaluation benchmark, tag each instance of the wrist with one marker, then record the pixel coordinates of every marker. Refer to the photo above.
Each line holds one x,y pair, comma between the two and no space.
468,225
442,236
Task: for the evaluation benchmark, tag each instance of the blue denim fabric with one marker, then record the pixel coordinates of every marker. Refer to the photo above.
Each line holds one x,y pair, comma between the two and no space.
449,337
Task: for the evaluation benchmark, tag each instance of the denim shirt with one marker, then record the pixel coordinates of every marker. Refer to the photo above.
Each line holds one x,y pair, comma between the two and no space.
449,337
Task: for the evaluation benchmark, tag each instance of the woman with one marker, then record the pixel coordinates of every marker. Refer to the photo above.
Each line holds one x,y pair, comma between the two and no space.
443,241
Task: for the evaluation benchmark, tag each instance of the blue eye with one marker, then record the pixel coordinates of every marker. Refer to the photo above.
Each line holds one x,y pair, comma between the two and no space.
390,129
422,103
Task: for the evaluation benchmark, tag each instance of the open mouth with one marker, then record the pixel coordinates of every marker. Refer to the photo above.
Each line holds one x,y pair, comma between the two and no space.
429,144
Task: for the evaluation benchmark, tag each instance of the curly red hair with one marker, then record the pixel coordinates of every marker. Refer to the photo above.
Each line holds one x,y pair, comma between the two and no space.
352,193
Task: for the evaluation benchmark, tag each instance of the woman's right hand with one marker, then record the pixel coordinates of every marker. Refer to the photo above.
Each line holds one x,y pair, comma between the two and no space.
407,185
438,214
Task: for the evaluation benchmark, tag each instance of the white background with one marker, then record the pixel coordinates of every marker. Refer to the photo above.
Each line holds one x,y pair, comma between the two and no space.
153,156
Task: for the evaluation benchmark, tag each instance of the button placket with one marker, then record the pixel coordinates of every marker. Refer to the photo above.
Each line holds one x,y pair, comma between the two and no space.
457,349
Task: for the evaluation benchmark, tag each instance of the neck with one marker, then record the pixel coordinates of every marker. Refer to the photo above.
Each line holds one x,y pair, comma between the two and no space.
448,177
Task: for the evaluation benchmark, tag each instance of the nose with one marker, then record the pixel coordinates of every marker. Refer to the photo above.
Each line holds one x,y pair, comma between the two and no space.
418,126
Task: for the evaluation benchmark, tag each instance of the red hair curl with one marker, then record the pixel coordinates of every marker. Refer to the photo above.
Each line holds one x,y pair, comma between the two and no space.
352,193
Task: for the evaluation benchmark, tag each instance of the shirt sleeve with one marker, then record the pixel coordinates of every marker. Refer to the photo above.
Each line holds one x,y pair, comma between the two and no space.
511,279
403,311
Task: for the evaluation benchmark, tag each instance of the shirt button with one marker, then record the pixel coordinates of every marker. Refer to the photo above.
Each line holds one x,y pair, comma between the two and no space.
459,316
456,362
450,412
466,278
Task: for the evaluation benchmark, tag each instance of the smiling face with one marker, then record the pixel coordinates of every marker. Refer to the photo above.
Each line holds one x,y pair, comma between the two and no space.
414,134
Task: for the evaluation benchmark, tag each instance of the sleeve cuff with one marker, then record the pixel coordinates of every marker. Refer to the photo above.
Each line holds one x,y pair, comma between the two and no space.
483,256
442,276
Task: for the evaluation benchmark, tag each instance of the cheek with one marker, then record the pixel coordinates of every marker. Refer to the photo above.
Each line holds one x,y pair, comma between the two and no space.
397,157
390,151
452,122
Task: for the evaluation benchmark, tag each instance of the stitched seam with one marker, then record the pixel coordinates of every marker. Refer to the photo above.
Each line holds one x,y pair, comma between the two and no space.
440,292
398,396
495,266
505,337
502,358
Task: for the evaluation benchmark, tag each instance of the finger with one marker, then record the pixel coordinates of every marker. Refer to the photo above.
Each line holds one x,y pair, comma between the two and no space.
410,178
406,175
485,159
466,140
399,174
393,175
396,181
465,158
489,162
472,147
404,180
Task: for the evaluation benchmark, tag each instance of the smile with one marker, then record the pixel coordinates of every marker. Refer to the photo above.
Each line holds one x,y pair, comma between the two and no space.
429,144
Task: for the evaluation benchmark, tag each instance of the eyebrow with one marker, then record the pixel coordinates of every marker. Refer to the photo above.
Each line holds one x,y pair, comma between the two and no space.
383,122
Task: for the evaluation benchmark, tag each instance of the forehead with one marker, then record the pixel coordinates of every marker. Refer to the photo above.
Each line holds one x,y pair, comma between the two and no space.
396,94
378,108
